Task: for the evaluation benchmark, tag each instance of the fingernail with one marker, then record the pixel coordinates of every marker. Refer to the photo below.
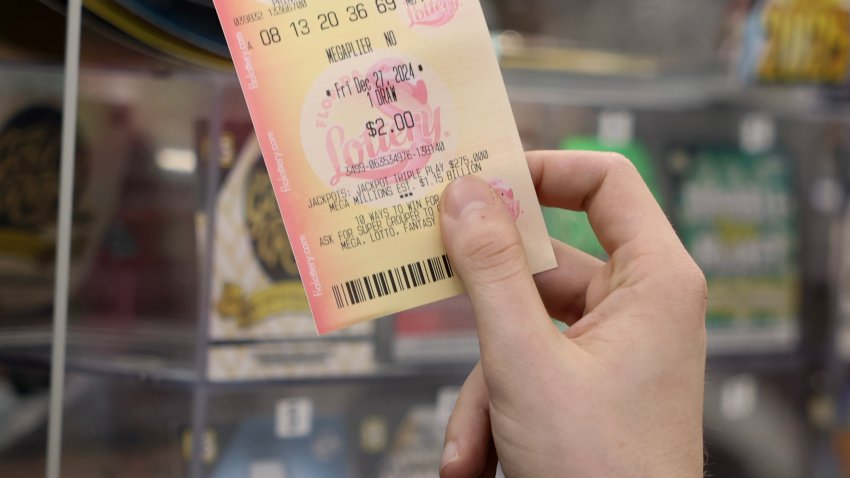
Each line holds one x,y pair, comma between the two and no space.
449,454
468,193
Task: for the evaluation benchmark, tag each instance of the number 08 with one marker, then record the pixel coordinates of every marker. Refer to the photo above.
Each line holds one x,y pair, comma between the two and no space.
272,35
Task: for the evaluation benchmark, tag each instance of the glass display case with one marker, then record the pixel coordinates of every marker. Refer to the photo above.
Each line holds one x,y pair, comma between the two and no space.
190,350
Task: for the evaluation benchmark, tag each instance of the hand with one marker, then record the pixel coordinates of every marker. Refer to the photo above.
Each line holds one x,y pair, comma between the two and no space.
620,393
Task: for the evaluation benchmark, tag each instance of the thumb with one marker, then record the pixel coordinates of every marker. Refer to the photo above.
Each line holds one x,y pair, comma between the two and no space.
487,252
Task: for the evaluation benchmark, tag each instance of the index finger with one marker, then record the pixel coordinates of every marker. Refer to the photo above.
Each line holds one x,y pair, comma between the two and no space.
619,205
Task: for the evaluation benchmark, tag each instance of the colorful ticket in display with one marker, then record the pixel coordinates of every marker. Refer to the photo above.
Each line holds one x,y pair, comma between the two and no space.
365,111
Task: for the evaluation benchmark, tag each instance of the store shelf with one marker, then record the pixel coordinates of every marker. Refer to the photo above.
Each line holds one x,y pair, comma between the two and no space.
666,91
756,363
448,373
148,355
569,89
753,342
143,355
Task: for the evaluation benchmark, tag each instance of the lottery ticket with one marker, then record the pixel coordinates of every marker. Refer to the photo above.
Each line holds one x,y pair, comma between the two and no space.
365,111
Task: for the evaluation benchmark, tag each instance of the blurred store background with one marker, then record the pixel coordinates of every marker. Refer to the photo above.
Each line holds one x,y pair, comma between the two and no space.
736,112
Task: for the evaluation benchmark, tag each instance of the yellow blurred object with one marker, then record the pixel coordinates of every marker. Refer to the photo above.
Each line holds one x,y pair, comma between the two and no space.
805,40
519,53
248,311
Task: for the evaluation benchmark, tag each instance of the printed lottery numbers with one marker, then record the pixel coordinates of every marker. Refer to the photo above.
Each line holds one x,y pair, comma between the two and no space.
328,20
357,12
385,6
301,27
270,36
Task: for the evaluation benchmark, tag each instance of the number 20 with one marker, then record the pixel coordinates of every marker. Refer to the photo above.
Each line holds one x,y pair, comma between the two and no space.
328,20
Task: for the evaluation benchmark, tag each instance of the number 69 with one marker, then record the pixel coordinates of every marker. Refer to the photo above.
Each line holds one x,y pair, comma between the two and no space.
384,6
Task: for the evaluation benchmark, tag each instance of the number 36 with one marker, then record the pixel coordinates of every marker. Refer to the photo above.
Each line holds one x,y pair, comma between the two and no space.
356,12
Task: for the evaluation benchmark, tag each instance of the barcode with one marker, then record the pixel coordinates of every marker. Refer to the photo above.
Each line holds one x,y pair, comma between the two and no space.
392,281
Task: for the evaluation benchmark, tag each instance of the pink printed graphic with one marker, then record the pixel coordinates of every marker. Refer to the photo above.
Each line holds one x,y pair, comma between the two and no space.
432,13
508,199
387,155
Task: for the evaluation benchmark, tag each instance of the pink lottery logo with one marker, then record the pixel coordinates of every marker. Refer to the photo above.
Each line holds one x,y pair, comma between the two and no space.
346,153
432,13
510,202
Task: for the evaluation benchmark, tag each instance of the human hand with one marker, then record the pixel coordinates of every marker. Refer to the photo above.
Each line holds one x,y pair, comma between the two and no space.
620,393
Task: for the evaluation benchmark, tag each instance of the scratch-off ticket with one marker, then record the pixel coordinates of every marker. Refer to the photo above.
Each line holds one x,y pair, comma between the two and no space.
365,111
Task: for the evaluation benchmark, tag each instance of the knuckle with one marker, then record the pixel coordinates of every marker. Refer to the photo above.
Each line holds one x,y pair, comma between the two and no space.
620,164
694,286
695,278
495,251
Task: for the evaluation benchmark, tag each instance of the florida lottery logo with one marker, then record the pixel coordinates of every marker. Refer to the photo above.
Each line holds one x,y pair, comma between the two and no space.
378,127
429,13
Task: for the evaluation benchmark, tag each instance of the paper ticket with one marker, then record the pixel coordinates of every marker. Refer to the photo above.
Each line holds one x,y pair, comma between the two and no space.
365,112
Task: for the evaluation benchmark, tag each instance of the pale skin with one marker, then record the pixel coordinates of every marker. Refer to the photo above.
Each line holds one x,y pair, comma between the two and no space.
620,394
